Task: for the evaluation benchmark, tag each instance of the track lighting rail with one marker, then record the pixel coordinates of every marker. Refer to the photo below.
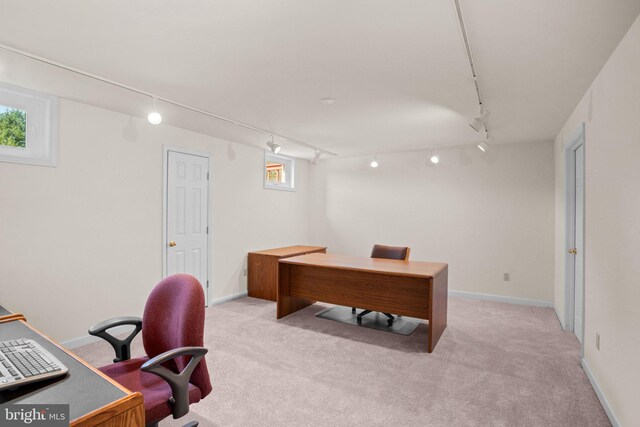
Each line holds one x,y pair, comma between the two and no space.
160,98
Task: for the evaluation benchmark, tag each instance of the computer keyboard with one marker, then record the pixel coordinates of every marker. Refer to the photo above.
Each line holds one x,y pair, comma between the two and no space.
24,361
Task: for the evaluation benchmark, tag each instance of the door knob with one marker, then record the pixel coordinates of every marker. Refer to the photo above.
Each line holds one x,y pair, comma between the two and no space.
172,244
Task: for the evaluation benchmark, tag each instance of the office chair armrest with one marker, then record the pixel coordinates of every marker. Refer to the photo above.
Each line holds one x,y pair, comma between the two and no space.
179,382
122,347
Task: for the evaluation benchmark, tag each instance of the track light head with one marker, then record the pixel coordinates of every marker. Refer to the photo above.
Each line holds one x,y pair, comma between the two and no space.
374,163
154,117
483,146
275,148
315,159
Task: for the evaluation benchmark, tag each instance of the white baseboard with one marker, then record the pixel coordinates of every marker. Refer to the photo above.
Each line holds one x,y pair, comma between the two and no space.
559,318
88,339
500,298
228,298
603,400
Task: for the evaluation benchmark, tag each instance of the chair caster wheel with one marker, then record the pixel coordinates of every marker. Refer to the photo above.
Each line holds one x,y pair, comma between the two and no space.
389,322
353,310
359,319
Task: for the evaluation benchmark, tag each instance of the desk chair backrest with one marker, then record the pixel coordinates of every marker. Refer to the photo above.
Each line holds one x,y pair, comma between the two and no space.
173,318
390,252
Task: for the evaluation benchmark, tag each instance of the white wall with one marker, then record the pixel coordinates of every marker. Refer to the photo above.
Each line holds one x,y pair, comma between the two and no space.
484,214
83,241
611,112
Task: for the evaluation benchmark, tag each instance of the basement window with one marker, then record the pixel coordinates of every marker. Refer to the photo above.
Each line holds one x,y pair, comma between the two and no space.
278,172
28,126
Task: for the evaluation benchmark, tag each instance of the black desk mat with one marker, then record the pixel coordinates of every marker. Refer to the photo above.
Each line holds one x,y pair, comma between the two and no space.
82,388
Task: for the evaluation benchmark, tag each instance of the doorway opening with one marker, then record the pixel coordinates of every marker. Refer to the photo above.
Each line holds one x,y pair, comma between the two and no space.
186,230
574,254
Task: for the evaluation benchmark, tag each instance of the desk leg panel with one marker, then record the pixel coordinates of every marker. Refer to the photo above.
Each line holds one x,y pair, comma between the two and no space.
439,298
286,303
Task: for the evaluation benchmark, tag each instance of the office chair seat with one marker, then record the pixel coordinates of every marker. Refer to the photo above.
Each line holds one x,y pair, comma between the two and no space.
156,390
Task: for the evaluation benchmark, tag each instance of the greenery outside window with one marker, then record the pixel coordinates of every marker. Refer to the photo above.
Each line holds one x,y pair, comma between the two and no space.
278,172
28,126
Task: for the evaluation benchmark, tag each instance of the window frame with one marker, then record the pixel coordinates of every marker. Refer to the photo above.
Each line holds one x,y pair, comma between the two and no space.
41,144
289,163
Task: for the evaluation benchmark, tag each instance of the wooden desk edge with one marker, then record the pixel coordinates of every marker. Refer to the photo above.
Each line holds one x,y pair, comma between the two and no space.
126,411
291,261
12,317
265,252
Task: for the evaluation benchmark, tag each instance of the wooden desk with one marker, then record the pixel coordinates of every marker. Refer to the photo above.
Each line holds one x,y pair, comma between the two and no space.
94,399
6,315
262,280
409,288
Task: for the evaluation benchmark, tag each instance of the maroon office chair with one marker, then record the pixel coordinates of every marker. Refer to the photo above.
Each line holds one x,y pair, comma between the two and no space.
386,252
174,373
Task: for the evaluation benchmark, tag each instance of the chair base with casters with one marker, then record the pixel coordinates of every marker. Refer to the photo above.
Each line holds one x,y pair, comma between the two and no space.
173,374
390,317
385,252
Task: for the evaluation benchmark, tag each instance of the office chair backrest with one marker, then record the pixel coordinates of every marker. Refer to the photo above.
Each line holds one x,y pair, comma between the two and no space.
174,317
390,252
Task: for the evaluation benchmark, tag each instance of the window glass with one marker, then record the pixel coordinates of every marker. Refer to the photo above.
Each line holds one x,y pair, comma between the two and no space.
28,126
278,172
13,127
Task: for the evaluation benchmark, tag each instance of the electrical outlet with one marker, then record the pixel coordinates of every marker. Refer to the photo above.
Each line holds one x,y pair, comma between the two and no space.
507,277
598,341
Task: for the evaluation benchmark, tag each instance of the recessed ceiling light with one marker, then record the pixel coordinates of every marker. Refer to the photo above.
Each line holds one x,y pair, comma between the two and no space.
327,101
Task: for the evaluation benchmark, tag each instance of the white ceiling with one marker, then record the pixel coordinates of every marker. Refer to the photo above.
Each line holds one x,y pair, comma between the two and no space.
398,70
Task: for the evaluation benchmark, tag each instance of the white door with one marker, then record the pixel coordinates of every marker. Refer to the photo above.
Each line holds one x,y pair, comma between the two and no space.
187,216
578,266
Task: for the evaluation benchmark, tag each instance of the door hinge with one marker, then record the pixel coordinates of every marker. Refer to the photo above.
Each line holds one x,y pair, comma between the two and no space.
207,176
207,284
207,229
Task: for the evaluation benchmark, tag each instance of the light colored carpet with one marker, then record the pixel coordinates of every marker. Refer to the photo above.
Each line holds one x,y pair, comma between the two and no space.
496,365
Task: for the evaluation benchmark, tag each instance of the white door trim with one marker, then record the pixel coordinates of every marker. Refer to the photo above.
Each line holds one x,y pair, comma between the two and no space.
165,180
575,141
